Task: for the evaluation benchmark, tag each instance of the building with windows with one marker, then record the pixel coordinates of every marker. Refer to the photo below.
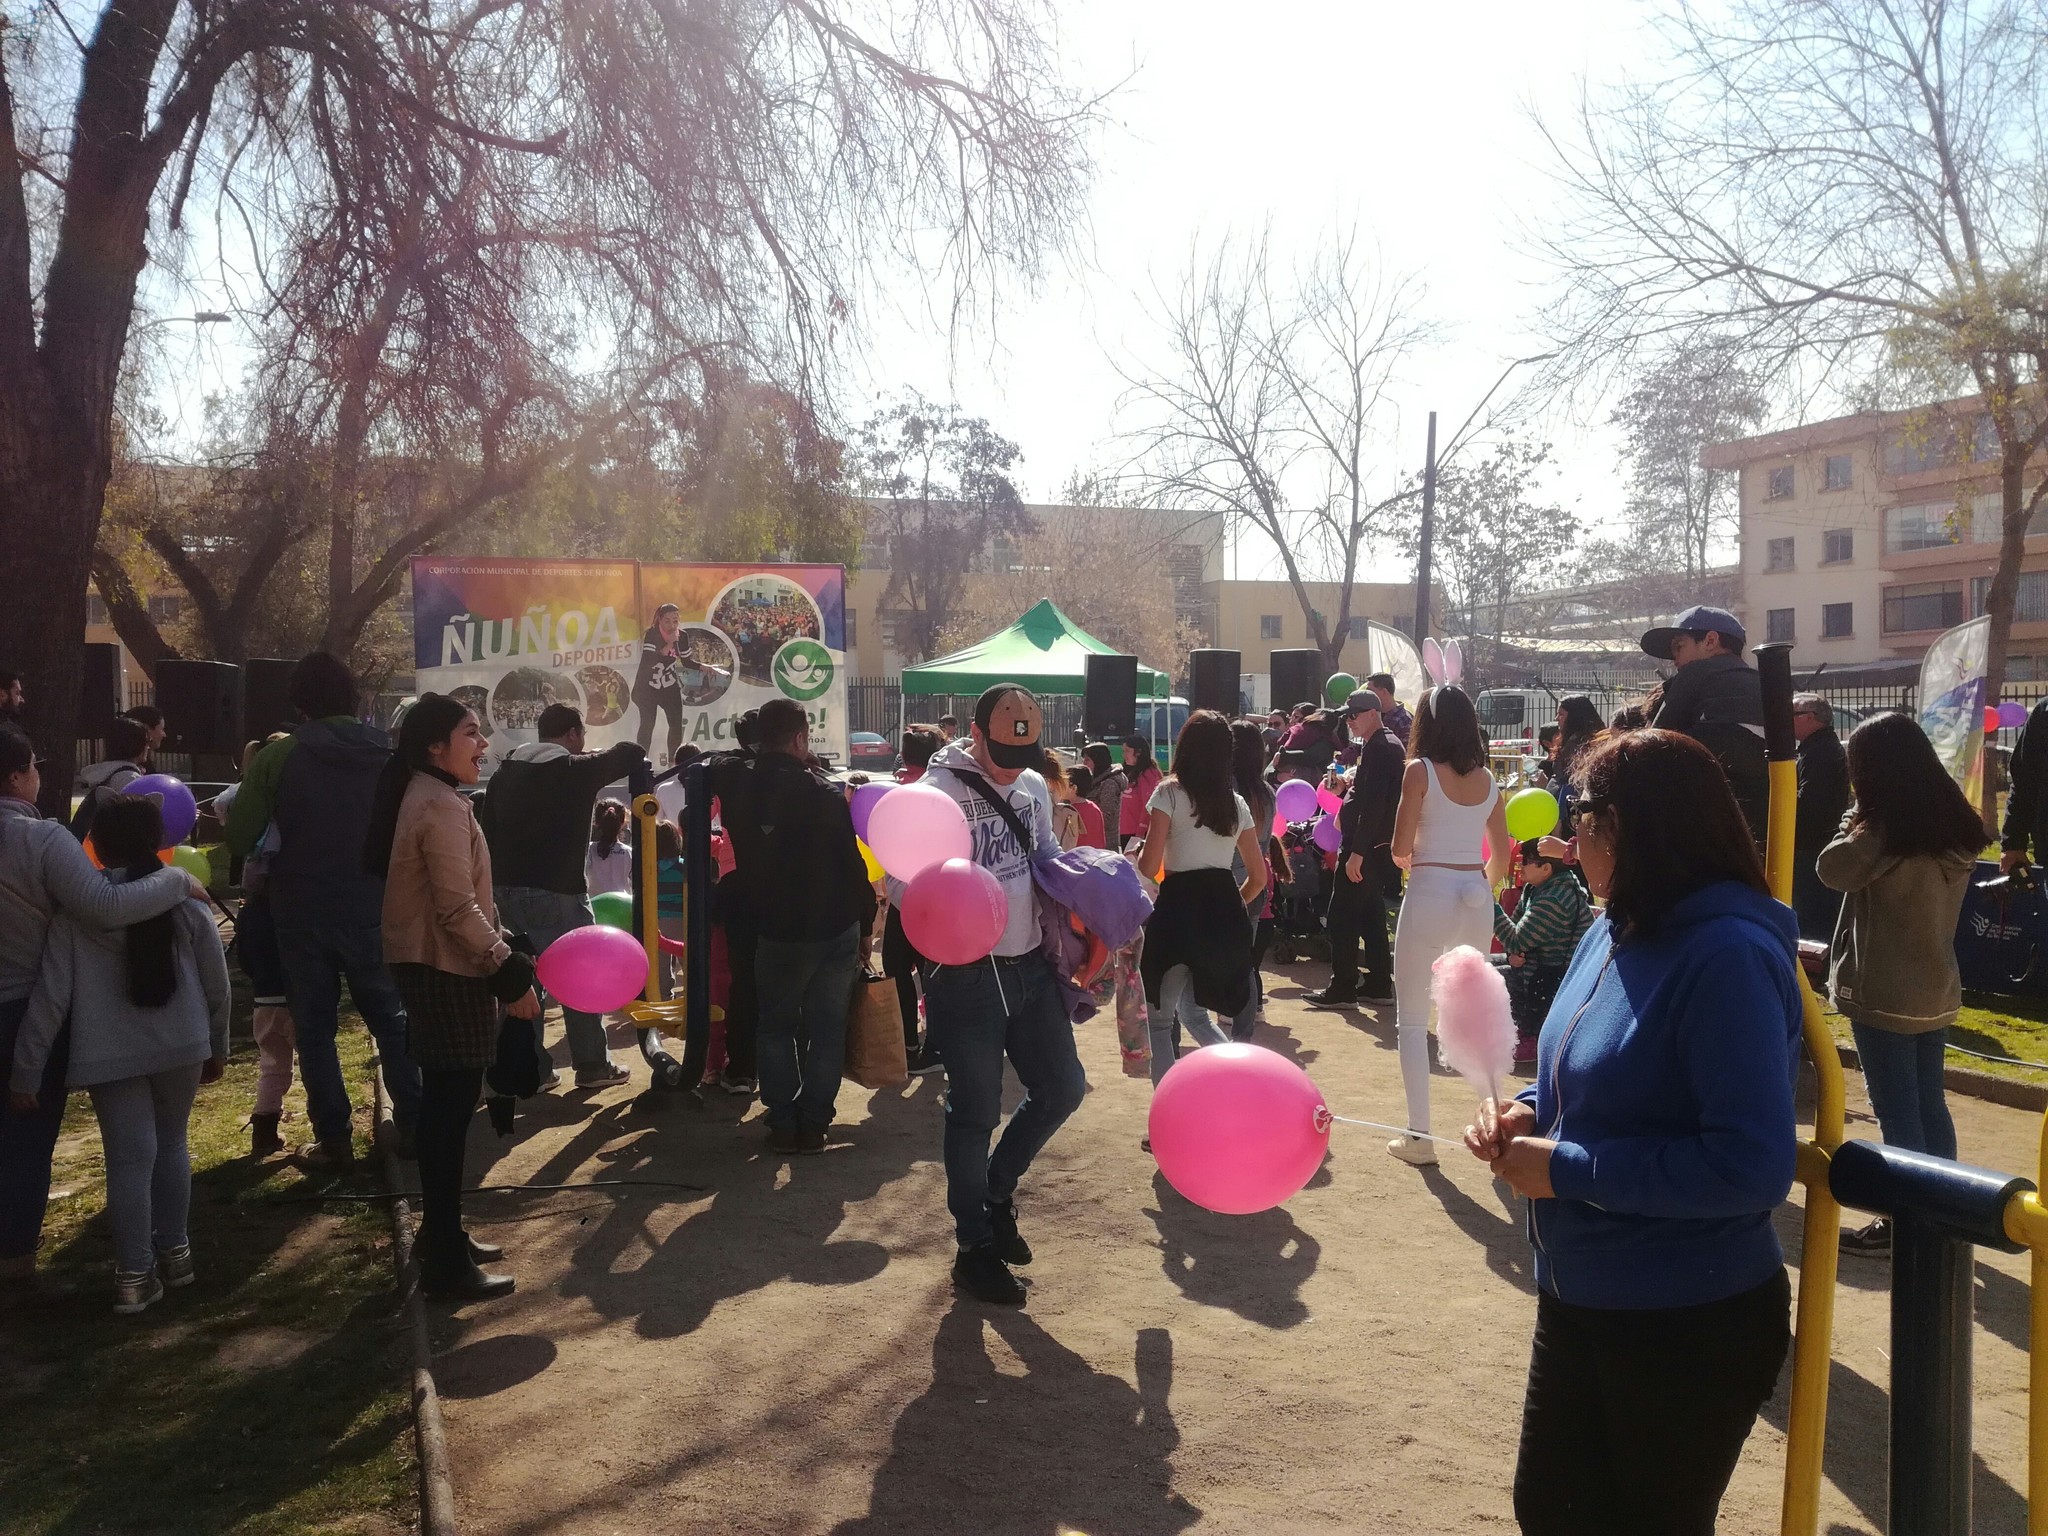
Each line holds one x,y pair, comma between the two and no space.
1865,537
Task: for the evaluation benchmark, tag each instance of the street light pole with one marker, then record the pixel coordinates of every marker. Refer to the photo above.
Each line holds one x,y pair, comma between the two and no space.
1422,614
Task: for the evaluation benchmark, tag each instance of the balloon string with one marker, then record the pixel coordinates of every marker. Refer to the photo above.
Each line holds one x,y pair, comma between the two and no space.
1399,1130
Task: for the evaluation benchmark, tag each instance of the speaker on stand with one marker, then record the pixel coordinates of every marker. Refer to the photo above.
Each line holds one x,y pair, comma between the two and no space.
102,691
1298,678
1109,697
202,705
266,697
1213,681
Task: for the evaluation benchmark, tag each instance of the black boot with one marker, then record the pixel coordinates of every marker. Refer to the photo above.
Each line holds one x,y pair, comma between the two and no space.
981,1273
263,1138
1010,1245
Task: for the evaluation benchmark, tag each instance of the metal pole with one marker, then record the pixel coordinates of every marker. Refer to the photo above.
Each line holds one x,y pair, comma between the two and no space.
696,920
1930,1425
1428,532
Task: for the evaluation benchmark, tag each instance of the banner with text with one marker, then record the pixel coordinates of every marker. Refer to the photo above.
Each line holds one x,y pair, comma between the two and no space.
663,654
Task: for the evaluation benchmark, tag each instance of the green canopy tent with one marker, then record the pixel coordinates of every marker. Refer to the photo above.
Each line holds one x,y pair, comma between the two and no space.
1044,650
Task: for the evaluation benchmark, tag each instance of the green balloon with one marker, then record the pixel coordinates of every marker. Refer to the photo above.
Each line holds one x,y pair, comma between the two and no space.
1340,688
613,909
1532,813
193,862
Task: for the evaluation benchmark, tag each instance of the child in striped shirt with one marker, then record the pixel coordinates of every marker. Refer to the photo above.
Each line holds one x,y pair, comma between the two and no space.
1540,940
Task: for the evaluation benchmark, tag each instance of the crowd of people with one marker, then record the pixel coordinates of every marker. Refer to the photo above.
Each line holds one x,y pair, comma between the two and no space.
1652,977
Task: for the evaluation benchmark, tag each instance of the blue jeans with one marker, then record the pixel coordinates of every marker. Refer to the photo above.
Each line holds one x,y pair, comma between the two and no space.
1903,1074
974,1016
316,959
805,992
27,1142
1177,1004
544,916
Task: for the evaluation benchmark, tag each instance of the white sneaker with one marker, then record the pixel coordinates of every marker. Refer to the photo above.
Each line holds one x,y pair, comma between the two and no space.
1414,1150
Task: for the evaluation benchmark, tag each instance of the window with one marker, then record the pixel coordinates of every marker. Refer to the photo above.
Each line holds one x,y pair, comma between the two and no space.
2019,669
1780,485
1910,528
1361,628
1835,476
163,609
1837,621
1778,555
1778,626
1269,626
1922,605
1926,445
2029,604
1838,546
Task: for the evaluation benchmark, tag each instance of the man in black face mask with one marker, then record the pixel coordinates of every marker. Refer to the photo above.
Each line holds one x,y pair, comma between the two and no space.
1006,1005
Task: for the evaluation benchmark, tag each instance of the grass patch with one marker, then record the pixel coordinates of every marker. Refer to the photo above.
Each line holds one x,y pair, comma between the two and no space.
265,1399
2002,1036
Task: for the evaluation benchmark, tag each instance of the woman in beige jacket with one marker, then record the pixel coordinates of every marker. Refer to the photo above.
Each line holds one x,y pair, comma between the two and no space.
452,964
1903,862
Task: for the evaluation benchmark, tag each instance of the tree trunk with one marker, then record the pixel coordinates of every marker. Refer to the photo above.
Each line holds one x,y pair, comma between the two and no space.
2014,514
128,612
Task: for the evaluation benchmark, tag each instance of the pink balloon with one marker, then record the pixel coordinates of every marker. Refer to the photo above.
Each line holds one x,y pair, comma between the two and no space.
1296,799
865,798
1990,717
1279,825
1328,835
915,826
594,969
1329,800
1238,1128
954,912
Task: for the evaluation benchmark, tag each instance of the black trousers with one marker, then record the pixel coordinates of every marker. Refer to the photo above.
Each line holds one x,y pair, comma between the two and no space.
901,961
1634,1421
1358,914
670,702
448,1098
742,1002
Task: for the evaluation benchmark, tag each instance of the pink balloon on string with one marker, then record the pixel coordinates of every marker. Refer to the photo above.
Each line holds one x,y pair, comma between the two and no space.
1329,799
915,826
594,969
1279,826
1238,1128
954,912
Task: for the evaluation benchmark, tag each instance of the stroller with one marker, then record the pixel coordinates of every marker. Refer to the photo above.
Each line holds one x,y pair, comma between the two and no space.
1298,932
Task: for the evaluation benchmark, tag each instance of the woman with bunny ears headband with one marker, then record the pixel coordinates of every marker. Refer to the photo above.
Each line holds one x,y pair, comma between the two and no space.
1450,809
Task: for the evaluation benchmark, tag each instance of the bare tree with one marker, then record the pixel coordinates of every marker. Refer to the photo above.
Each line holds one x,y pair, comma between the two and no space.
627,180
1688,398
942,498
1269,408
1829,187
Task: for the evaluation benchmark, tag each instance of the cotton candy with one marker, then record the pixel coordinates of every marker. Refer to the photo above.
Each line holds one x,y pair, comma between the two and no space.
1475,1029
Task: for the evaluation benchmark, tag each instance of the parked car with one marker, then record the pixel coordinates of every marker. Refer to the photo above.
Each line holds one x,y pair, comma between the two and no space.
870,753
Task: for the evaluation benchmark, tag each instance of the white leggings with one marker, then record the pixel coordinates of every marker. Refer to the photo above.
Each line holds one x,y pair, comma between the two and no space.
1443,909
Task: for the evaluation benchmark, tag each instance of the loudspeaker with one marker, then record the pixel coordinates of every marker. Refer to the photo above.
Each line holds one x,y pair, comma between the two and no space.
1109,697
266,696
202,705
1213,681
1298,678
102,691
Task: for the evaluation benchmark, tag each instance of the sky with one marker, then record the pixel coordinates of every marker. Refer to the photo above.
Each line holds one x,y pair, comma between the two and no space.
1413,121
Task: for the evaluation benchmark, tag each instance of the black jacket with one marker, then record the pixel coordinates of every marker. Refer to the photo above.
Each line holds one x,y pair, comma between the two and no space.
799,861
2026,805
1199,922
1367,817
536,813
1823,790
1719,702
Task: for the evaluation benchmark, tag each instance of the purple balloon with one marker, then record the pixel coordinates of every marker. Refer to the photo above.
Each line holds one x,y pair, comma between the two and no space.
1328,835
2012,715
865,797
1296,800
181,811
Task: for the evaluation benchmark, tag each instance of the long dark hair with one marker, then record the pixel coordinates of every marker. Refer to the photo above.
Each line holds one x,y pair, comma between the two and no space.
1674,821
1248,765
1202,768
1904,797
607,826
429,723
1581,724
1143,748
127,831
1447,730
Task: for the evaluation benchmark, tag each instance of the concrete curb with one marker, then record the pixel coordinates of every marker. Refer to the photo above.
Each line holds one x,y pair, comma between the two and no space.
1978,1085
437,1487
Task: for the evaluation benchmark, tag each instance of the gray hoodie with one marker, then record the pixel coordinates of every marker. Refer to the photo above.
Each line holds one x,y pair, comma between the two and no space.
43,871
85,978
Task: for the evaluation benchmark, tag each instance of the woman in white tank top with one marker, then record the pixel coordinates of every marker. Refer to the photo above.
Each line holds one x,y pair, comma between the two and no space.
1449,802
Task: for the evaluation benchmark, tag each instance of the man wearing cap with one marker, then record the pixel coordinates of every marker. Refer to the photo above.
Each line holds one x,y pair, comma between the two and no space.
1358,907
1006,1005
1716,698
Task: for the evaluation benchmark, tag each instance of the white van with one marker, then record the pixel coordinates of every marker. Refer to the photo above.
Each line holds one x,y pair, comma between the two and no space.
1517,714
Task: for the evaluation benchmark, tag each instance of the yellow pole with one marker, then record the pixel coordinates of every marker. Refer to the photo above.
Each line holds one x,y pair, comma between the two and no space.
1814,1323
647,812
2026,1221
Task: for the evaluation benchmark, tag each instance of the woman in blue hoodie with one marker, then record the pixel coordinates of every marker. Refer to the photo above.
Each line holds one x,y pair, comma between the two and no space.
1653,1148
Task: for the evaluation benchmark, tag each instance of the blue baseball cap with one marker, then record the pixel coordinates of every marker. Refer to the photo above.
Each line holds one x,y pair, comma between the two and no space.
1696,620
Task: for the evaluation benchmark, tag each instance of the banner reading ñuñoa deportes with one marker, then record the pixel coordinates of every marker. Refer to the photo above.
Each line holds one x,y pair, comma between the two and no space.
662,654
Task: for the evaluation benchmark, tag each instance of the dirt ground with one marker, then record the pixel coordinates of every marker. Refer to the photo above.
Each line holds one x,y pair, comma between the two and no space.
780,1351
